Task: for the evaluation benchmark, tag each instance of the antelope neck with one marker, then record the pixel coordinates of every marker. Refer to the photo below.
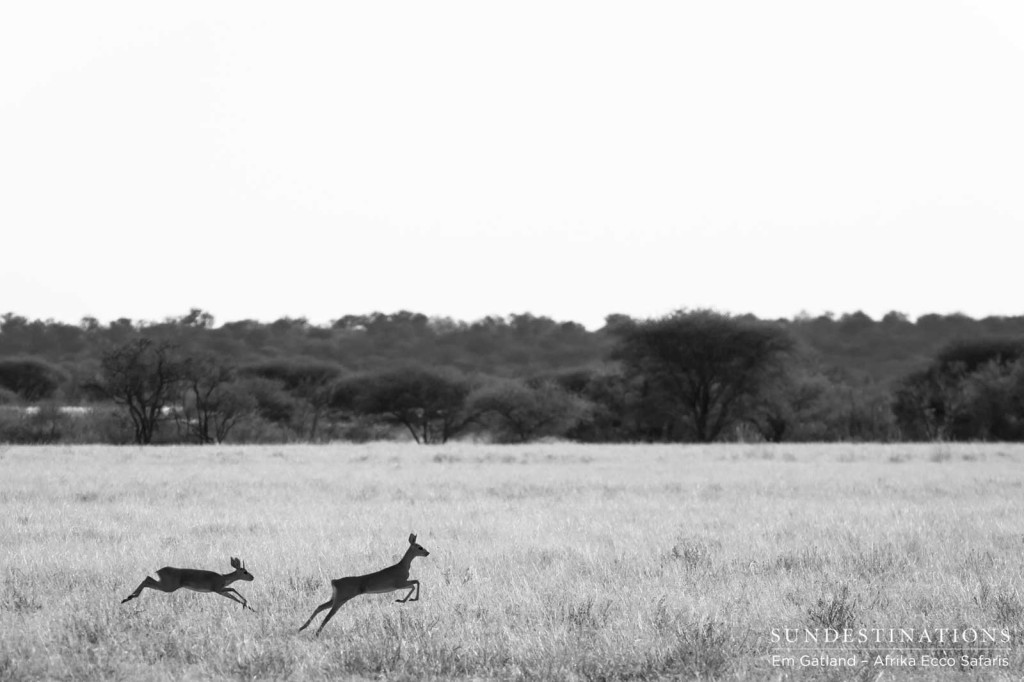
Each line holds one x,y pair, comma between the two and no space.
409,556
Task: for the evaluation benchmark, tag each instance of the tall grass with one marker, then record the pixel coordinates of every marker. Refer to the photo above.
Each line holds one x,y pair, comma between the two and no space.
547,561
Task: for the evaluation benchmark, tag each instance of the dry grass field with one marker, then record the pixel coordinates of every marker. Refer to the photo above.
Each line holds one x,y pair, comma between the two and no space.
548,561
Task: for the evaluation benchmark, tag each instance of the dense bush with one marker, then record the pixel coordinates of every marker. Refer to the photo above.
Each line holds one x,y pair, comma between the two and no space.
516,412
688,376
51,423
971,391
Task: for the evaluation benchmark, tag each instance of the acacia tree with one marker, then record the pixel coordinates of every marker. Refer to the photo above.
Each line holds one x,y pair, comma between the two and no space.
705,364
32,379
430,404
212,401
311,383
143,377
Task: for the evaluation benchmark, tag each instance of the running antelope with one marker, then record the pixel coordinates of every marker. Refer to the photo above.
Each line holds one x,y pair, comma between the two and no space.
172,579
388,579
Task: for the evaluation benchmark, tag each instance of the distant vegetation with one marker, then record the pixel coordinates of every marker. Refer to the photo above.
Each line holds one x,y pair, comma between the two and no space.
690,376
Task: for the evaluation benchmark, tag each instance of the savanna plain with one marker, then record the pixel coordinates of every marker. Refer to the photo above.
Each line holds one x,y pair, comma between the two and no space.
549,561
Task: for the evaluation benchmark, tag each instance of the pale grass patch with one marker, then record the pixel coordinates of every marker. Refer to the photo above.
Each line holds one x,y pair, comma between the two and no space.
548,561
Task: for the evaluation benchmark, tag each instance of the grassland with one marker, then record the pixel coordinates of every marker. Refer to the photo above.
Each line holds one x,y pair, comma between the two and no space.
547,561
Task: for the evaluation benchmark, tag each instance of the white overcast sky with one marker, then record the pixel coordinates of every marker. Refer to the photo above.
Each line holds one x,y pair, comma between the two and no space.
569,159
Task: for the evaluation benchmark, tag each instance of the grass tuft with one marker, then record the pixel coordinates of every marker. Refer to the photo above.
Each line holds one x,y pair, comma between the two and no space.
837,611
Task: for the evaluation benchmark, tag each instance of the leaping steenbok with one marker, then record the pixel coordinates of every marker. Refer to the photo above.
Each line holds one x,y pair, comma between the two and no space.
172,579
386,580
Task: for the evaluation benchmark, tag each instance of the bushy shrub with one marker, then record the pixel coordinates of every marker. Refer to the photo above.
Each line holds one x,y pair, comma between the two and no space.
515,412
33,425
256,429
31,378
972,391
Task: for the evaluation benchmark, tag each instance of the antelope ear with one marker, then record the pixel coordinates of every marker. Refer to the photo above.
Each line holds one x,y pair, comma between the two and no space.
234,562
412,538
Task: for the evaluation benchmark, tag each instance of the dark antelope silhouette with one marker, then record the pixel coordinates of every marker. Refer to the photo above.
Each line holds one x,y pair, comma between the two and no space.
388,579
172,579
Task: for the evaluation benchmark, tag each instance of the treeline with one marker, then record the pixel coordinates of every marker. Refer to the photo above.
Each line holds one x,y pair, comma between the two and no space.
691,376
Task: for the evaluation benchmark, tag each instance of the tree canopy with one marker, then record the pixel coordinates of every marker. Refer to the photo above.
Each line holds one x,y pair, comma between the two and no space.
705,363
688,376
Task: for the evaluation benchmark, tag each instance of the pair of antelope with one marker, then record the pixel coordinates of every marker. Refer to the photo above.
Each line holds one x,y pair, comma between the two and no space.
388,579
